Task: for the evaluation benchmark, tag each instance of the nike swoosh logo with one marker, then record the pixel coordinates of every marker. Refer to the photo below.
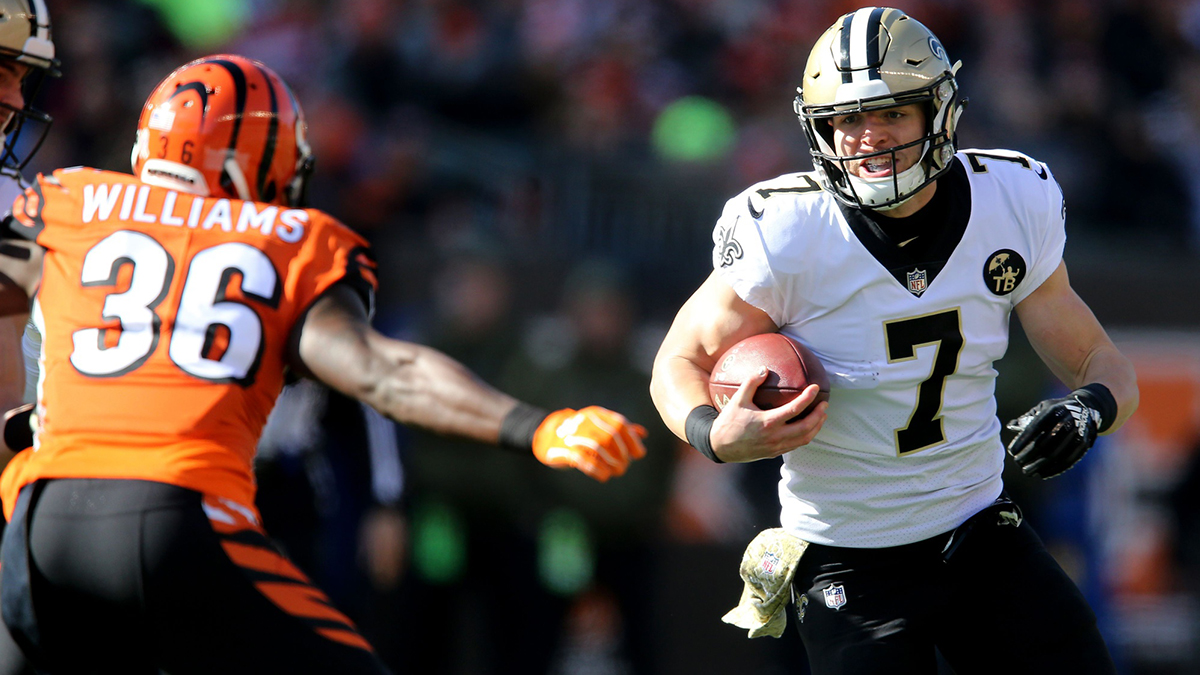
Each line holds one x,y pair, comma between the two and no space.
908,241
750,207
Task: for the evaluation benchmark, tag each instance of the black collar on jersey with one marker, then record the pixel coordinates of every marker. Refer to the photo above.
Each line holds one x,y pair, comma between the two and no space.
938,227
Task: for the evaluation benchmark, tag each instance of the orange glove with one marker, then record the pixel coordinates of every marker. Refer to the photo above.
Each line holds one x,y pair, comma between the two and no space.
597,441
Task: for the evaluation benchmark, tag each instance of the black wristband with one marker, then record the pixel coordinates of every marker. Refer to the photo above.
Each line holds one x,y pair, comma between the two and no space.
518,427
697,427
1097,397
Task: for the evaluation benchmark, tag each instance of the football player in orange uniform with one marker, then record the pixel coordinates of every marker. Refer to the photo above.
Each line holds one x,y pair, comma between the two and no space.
171,302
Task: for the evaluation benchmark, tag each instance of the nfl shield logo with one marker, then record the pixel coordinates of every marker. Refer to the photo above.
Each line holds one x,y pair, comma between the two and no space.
769,562
917,282
835,596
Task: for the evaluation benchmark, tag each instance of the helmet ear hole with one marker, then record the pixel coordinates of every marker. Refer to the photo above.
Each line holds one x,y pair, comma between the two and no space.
226,183
297,189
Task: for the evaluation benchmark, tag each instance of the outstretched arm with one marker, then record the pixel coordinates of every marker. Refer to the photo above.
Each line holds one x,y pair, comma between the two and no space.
417,385
407,382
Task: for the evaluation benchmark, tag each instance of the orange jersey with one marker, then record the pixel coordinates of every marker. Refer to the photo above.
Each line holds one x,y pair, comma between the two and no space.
165,320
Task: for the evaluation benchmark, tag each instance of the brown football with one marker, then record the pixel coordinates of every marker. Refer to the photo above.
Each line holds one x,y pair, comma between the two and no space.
791,366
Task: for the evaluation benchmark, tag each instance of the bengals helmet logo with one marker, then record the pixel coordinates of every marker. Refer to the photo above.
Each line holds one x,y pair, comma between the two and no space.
1004,271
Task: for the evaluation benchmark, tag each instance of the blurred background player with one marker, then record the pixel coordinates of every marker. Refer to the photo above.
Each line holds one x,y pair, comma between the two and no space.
176,298
899,262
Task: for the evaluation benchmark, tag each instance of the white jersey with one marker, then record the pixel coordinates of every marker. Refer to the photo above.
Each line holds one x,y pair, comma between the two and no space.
31,341
911,447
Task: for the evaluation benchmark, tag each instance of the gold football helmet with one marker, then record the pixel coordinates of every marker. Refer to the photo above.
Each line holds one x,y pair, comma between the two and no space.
25,38
871,59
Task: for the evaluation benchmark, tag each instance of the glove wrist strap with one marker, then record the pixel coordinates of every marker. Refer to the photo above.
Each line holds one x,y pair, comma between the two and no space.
1097,397
518,427
698,428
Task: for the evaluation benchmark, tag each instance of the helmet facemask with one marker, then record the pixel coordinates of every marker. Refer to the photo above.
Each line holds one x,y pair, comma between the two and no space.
27,127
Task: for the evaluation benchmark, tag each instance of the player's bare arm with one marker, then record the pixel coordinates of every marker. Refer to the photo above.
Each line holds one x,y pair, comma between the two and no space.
20,273
417,385
12,385
405,381
712,320
1054,435
12,361
1073,344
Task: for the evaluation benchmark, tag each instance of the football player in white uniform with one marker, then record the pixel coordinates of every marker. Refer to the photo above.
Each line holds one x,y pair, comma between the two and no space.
898,262
26,58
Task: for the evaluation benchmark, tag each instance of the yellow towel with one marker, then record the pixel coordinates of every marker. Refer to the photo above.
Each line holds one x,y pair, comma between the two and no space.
768,566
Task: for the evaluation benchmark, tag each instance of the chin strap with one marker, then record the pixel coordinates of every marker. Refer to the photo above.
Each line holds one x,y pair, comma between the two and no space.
236,177
871,191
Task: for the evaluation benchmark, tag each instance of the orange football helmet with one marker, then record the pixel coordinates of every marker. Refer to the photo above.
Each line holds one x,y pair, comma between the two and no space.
225,125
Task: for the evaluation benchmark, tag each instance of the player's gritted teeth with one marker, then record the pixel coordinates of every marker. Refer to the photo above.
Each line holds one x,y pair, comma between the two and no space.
875,167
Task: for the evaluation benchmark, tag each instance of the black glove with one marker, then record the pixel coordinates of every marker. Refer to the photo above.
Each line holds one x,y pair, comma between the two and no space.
1057,433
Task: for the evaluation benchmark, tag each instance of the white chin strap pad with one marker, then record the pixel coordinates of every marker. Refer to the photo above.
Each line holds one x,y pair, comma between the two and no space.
174,176
873,191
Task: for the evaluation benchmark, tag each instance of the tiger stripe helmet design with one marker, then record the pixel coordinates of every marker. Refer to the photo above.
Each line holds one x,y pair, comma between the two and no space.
225,125
871,59
25,38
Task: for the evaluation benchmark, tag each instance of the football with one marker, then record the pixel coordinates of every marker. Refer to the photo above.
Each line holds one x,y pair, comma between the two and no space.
791,366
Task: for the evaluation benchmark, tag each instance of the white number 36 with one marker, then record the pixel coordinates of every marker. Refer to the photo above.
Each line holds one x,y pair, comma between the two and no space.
203,308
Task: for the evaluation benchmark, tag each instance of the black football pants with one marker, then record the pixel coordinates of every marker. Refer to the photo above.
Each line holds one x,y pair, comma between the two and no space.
999,604
126,576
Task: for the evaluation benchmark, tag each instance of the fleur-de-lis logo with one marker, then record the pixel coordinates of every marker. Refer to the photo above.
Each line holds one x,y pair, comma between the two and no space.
731,249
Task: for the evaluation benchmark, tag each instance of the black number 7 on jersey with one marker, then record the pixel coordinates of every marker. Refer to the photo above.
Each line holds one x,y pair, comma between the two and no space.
904,336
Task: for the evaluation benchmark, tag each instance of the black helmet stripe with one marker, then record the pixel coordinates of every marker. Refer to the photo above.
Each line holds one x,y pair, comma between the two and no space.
200,89
39,26
844,48
859,57
874,58
239,88
272,132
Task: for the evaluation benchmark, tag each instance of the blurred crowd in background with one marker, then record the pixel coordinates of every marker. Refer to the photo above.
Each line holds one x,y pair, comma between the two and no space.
539,179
